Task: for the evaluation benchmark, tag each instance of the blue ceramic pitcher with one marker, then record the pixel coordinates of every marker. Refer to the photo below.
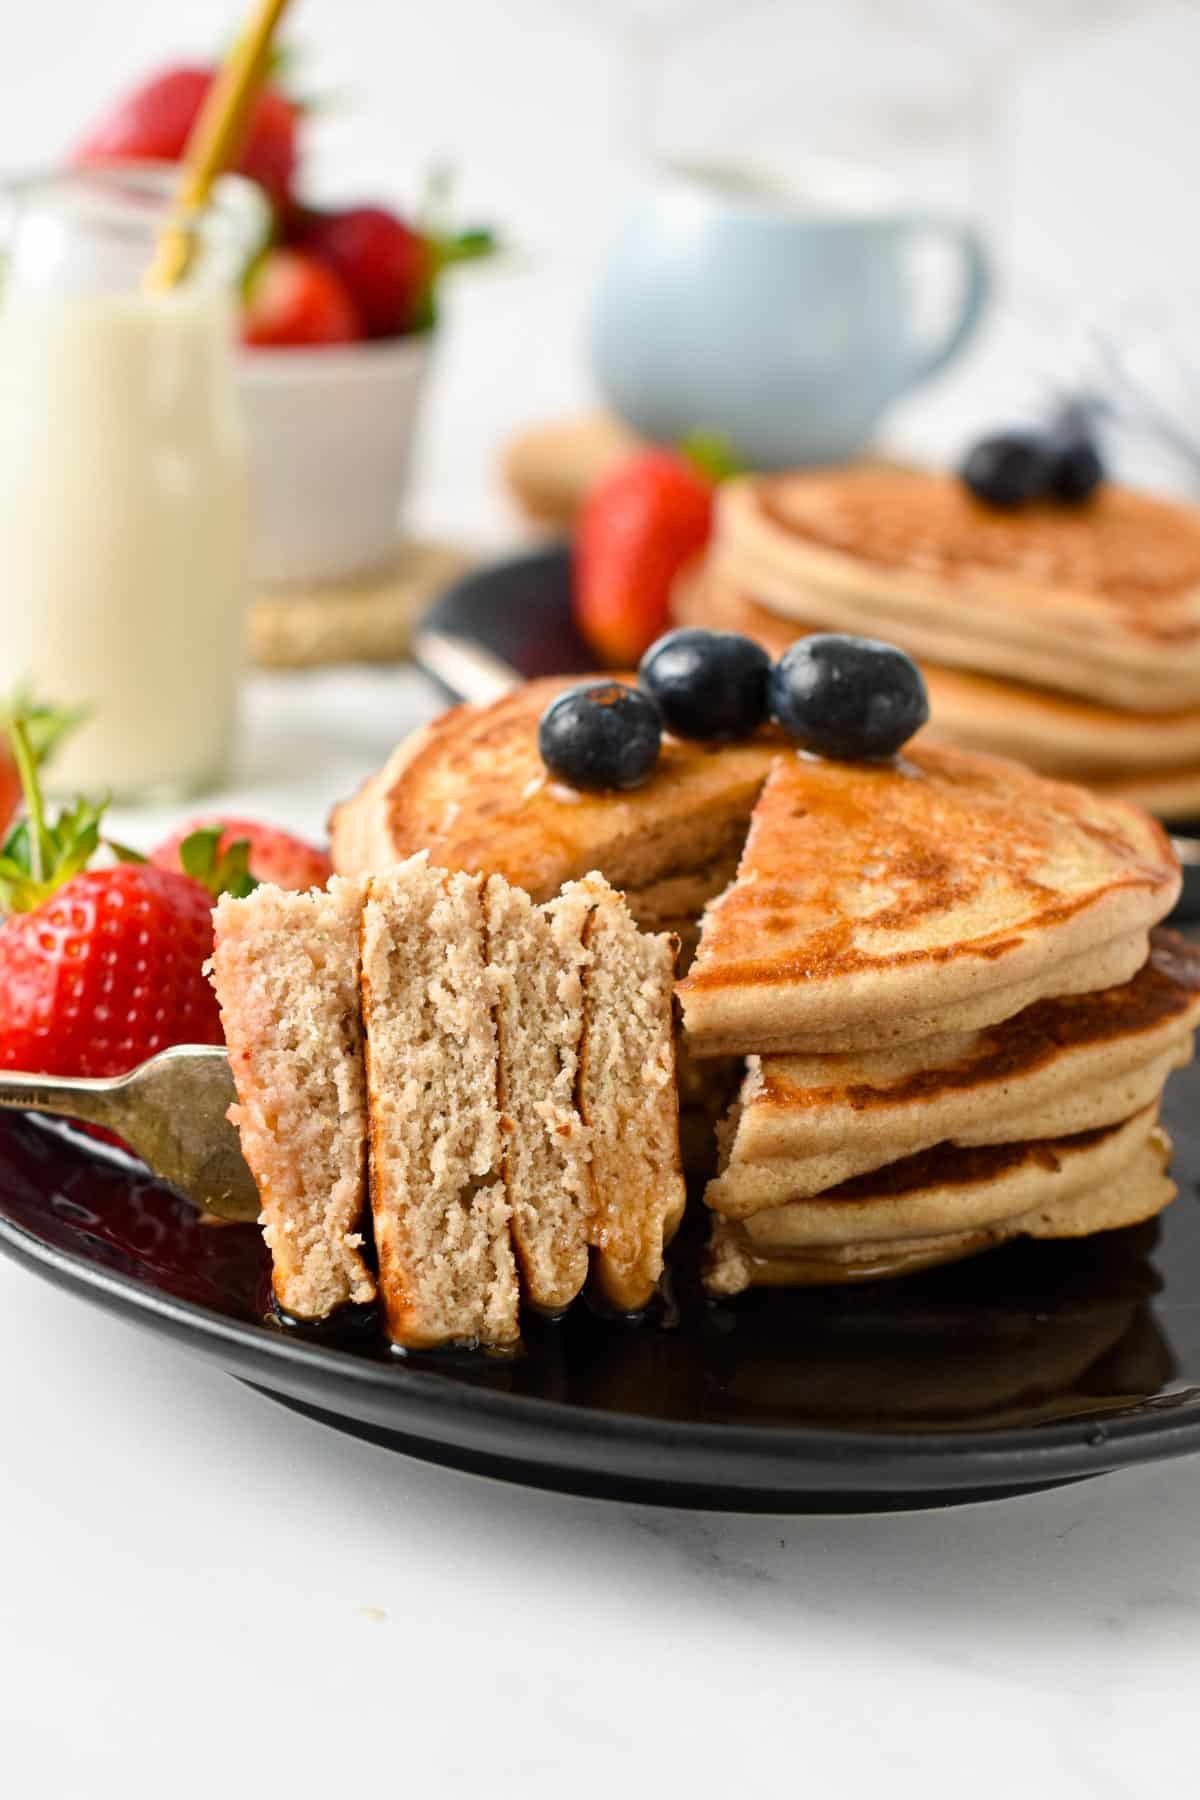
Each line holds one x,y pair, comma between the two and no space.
729,306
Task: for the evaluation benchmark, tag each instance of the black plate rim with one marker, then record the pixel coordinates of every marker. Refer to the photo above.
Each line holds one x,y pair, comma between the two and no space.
729,1459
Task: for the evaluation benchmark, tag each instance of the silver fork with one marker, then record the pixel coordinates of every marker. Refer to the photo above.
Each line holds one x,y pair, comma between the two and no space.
170,1111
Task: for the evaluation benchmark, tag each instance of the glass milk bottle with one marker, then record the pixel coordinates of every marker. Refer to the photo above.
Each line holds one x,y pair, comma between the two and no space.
124,485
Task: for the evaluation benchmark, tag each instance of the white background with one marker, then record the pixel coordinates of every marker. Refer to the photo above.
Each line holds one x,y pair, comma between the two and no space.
1067,127
202,1594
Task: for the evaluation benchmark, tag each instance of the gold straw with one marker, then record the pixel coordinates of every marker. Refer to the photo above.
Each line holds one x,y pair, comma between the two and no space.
215,140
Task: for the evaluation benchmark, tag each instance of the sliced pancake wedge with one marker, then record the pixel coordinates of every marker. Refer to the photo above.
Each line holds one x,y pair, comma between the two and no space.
911,556
1144,1190
286,971
877,904
472,790
805,1124
441,1213
947,1204
628,1098
538,958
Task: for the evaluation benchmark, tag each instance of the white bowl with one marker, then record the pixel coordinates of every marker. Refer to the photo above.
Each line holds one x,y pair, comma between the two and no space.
331,433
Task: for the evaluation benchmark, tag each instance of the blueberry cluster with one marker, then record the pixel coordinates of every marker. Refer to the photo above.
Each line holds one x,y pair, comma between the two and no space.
845,697
1015,467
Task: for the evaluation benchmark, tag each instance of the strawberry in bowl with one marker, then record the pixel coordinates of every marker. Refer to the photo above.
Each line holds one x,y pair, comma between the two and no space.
152,123
338,327
338,315
291,301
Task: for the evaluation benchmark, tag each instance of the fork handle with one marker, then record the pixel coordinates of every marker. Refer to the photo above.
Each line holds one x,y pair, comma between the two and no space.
66,1097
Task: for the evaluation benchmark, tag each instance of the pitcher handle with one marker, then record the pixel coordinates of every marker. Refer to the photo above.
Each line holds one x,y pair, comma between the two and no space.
977,284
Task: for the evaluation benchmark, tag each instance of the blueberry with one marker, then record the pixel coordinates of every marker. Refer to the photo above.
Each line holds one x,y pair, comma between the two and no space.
1076,470
601,735
1009,470
710,685
848,697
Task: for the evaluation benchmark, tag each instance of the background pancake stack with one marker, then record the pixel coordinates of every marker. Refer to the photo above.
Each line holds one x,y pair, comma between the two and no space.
1068,637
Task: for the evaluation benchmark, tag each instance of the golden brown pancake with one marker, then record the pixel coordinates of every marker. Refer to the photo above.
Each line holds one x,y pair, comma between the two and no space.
1147,757
946,1204
472,789
942,891
1101,600
1063,1066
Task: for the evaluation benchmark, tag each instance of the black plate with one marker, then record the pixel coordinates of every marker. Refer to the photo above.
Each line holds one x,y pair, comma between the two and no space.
1034,1365
515,618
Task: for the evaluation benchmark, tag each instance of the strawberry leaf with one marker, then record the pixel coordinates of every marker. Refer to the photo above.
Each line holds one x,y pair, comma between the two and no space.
712,455
39,854
45,726
221,871
123,852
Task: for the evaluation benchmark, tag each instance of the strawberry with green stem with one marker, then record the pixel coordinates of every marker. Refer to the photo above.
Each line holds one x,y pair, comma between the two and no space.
100,968
391,268
231,856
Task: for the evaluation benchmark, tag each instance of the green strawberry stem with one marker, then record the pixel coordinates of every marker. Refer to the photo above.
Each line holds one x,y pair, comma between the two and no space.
447,245
711,453
31,788
464,246
221,871
40,854
45,726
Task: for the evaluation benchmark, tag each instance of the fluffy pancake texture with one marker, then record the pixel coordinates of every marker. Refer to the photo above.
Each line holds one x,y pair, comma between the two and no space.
538,960
944,891
503,1071
441,1213
286,971
628,1098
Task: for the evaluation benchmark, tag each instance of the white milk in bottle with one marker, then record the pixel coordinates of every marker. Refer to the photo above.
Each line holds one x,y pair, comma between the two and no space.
124,485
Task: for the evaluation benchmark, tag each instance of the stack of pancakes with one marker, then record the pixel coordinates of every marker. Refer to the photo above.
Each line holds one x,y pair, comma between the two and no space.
956,1031
1068,637
933,977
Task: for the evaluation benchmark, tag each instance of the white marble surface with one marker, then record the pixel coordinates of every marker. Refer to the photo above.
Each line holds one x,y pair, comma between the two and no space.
204,1594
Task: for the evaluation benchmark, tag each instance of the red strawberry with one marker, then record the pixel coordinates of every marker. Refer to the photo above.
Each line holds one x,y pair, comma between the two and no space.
153,121
107,972
99,968
220,853
638,527
291,299
10,787
384,264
